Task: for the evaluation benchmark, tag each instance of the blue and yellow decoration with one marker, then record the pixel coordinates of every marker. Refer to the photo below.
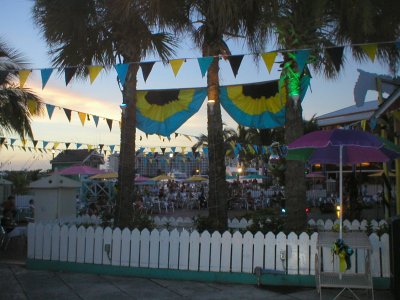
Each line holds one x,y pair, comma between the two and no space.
344,252
164,111
258,105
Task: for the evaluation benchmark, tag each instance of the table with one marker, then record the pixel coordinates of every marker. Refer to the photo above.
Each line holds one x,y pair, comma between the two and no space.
346,280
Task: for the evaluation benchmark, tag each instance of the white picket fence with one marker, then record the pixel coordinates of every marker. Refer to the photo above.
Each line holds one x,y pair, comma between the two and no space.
188,223
192,251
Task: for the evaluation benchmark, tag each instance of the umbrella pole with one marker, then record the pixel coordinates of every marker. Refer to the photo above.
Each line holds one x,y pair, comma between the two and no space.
341,191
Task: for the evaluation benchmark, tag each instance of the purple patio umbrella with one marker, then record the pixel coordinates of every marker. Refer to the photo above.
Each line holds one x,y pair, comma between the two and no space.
339,146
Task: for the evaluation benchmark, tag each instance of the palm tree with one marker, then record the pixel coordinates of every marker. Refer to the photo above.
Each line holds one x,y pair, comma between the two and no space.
319,25
215,21
15,115
87,32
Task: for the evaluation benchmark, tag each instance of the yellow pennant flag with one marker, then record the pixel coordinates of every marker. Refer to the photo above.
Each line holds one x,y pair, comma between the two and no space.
32,106
82,117
269,59
23,141
370,49
363,124
152,149
56,144
93,72
90,147
183,150
23,76
176,64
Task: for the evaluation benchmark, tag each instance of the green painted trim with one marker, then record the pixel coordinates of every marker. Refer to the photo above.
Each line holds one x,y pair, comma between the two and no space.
222,277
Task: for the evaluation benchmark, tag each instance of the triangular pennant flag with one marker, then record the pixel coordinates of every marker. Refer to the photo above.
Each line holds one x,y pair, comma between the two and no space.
109,123
121,69
176,64
93,72
68,113
40,150
90,147
78,145
101,146
2,140
269,59
45,73
82,117
69,73
204,63
96,120
56,144
235,62
23,76
12,141
370,49
112,148
146,69
141,149
32,106
301,59
255,148
45,143
173,149
205,150
152,149
183,150
163,150
34,142
50,110
67,145
176,135
336,54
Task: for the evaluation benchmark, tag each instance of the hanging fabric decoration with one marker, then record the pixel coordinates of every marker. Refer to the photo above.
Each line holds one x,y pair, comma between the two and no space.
78,145
69,73
23,76
32,106
153,149
235,62
336,56
269,59
176,64
67,145
34,142
173,149
204,64
112,147
301,57
146,69
370,50
163,150
205,151
2,140
82,117
121,69
304,85
68,113
96,120
45,74
164,111
258,105
55,145
45,143
50,110
109,123
93,72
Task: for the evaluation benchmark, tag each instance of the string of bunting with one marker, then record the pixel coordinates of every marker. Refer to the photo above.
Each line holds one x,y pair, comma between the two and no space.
83,117
149,151
334,52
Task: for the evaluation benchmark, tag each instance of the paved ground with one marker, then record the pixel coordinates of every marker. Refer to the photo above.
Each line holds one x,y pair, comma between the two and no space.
16,282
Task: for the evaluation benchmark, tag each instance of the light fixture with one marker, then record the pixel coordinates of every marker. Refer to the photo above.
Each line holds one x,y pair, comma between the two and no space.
171,155
210,103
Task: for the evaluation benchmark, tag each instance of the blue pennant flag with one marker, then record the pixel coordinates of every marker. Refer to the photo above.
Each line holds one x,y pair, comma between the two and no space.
255,148
141,149
205,150
12,141
50,110
173,149
78,145
301,59
45,144
121,69
96,120
204,63
112,148
46,73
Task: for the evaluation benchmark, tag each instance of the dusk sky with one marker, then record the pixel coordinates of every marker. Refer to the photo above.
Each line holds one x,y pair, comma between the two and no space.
103,97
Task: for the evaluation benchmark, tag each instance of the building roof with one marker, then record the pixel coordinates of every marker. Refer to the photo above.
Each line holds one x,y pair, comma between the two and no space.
348,115
74,156
55,181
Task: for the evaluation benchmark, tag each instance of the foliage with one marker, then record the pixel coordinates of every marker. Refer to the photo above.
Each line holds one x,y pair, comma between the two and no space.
15,116
141,221
203,223
21,180
266,220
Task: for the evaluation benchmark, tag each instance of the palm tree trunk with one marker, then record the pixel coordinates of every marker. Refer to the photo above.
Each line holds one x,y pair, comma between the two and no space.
295,189
126,170
216,153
